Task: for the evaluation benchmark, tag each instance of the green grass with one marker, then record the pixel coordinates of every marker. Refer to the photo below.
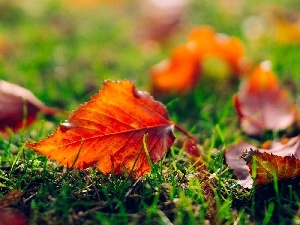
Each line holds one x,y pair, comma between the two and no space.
63,56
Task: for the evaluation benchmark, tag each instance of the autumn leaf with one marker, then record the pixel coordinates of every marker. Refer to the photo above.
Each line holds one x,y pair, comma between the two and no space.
211,44
11,198
108,132
19,107
269,167
238,165
158,20
262,104
182,71
11,216
286,147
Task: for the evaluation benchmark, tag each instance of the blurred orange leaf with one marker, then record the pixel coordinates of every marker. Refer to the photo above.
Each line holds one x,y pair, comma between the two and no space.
211,44
182,71
19,107
262,103
108,132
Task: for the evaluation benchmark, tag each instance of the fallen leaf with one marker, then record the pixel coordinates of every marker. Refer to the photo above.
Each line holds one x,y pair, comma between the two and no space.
108,132
159,19
211,44
11,216
285,147
235,162
19,107
269,167
180,73
262,104
11,198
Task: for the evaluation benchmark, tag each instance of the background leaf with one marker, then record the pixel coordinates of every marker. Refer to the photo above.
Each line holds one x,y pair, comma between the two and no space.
19,106
262,103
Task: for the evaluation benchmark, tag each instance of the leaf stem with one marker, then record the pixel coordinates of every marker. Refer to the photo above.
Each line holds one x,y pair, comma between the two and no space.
180,129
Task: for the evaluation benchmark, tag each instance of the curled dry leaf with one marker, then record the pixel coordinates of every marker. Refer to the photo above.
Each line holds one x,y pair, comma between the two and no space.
286,147
262,103
268,167
181,72
108,132
19,107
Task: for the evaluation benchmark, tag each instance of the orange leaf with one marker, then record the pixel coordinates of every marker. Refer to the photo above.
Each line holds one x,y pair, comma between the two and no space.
179,73
211,44
269,166
262,103
108,132
19,107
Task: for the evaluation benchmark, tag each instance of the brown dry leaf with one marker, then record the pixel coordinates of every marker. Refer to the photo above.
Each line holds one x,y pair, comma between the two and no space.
19,107
285,147
269,167
11,198
262,103
180,73
108,132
